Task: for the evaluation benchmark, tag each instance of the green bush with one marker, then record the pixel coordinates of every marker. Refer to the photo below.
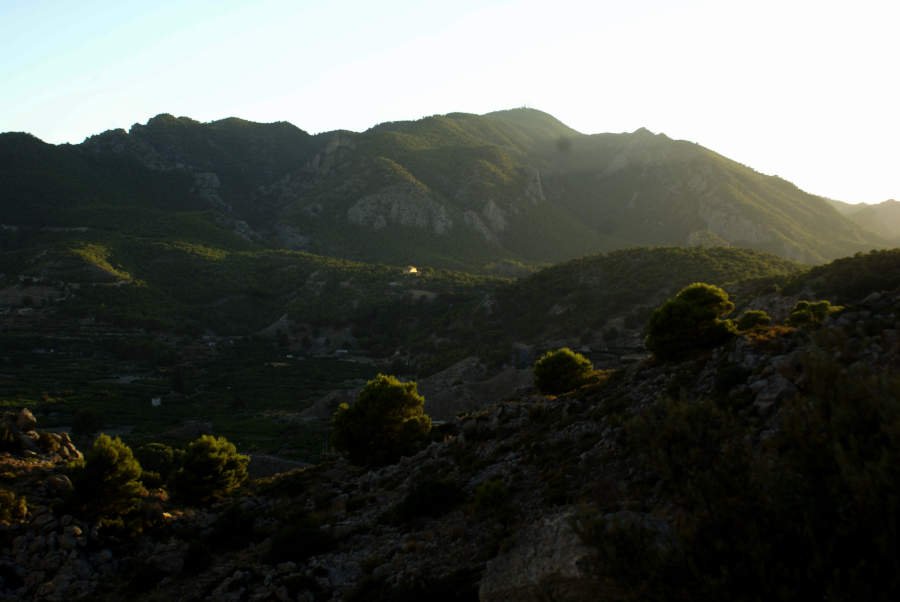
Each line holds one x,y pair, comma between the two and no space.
561,370
159,461
812,313
386,422
212,468
107,482
753,318
690,321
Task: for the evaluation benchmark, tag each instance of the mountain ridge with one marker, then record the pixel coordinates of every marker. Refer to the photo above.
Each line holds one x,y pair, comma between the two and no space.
457,190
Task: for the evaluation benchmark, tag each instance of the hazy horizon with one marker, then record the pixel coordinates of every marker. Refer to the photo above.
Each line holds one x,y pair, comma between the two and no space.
801,91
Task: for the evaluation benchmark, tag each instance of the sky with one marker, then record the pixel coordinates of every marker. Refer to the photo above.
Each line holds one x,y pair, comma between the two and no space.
807,90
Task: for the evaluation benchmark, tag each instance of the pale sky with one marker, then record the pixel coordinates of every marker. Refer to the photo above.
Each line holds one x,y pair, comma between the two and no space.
807,90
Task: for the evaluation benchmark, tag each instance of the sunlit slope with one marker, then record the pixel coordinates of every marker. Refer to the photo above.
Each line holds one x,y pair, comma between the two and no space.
882,219
457,190
193,288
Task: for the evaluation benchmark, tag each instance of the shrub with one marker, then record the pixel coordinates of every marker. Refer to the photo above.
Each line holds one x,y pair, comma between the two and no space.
690,321
753,318
561,370
159,461
808,514
812,313
212,468
386,422
108,481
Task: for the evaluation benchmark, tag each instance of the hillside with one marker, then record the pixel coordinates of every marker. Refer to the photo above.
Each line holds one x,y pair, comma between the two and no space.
763,468
882,219
456,190
105,324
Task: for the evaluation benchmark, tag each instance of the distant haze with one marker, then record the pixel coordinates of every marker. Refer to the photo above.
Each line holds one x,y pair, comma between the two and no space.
805,90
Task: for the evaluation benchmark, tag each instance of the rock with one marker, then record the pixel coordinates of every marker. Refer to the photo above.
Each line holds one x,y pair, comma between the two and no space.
44,521
28,441
25,420
168,558
547,562
773,389
59,485
410,206
67,541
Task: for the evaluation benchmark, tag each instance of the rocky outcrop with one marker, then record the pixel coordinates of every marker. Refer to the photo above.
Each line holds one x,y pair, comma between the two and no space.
725,223
21,437
402,206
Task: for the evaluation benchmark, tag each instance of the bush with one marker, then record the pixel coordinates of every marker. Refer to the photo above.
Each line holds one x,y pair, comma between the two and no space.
386,422
812,313
108,481
753,318
561,370
808,514
159,461
212,468
690,321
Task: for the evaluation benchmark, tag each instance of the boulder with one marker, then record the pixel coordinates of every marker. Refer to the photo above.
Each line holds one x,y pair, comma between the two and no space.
25,420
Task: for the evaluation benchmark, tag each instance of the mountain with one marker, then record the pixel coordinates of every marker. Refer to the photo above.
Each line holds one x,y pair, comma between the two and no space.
456,190
883,218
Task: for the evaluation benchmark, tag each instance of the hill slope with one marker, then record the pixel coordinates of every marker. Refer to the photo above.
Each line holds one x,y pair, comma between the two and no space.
882,219
458,190
763,469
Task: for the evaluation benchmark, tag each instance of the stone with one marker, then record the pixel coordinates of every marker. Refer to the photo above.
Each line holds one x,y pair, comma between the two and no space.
59,485
25,420
43,520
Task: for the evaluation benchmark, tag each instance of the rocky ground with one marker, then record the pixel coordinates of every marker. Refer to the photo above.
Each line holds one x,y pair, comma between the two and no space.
493,509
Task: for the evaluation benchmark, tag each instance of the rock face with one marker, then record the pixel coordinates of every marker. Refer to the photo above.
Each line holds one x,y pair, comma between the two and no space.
502,177
548,561
402,206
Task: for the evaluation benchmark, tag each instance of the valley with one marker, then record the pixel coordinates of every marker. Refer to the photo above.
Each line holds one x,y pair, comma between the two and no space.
183,281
